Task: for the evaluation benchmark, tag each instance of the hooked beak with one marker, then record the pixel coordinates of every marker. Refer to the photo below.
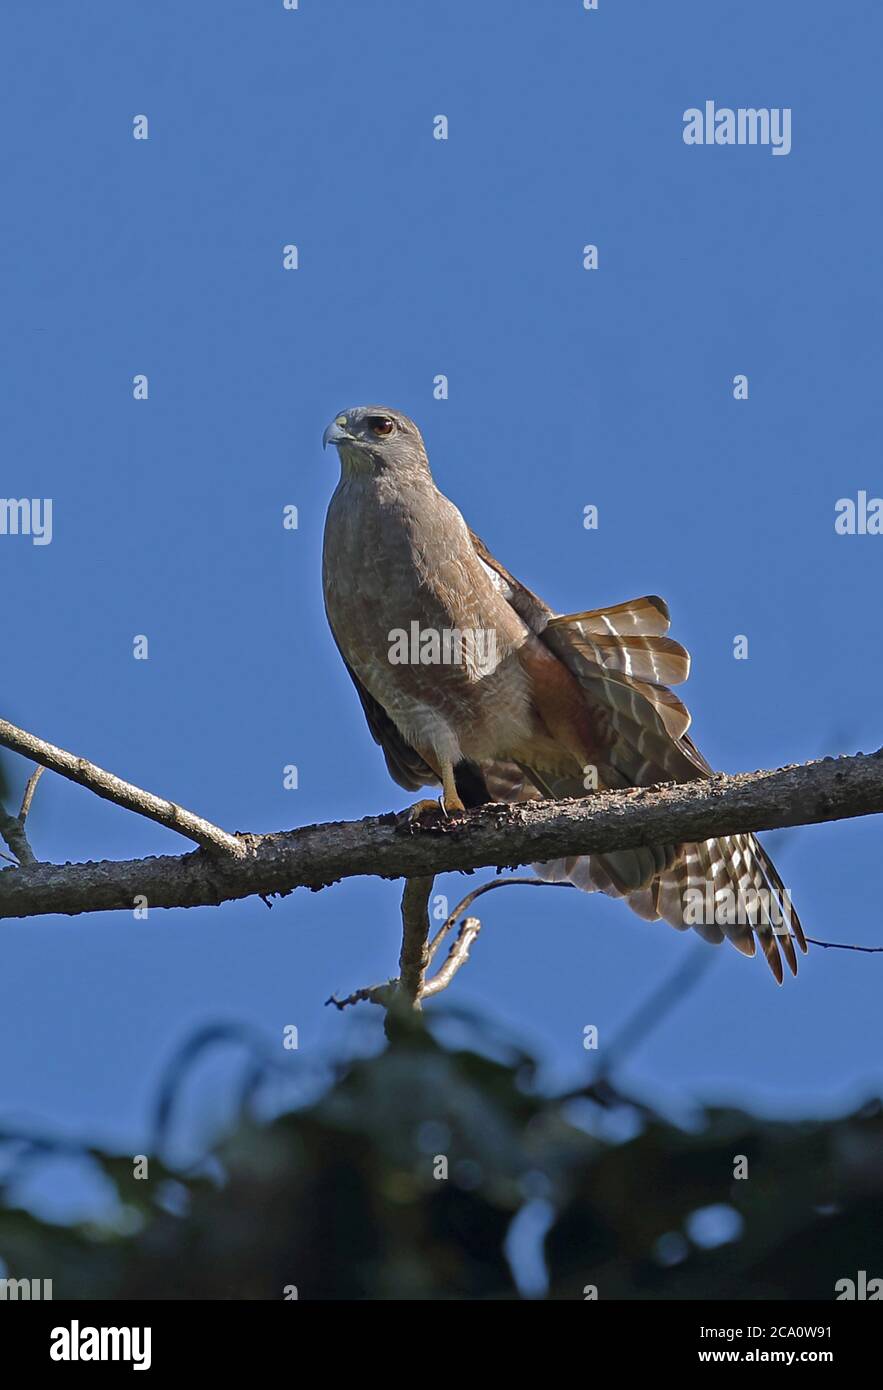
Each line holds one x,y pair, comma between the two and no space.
336,432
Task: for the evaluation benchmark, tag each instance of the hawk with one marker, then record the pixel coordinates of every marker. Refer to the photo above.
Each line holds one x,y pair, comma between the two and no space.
469,681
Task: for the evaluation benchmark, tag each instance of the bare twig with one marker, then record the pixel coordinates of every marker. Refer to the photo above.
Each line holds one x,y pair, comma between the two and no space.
457,956
12,828
374,994
451,920
507,836
844,946
13,832
29,793
386,994
112,788
643,1021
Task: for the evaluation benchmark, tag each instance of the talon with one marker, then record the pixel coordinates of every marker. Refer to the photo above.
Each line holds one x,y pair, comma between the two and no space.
426,807
448,804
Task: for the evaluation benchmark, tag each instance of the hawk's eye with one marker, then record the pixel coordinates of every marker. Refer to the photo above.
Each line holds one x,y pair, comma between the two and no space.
381,425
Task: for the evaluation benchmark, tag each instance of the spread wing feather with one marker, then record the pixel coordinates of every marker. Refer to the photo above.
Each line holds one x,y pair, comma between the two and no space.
625,662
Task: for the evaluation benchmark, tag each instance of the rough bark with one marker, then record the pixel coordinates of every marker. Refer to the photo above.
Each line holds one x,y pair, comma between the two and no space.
315,856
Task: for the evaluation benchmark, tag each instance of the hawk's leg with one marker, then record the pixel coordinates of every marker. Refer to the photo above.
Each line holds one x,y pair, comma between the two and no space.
450,797
449,803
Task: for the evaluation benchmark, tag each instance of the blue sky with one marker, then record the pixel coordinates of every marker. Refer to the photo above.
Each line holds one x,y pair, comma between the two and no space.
567,387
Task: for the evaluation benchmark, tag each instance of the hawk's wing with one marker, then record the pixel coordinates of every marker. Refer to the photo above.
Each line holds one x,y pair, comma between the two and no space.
624,661
622,657
405,765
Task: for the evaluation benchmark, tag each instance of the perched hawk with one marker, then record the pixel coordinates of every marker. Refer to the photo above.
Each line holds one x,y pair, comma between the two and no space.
470,681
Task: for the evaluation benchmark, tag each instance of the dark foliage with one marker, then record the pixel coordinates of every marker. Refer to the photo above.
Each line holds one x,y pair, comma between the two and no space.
341,1199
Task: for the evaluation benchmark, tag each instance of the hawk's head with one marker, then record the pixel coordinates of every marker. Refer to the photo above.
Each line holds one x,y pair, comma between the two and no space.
370,438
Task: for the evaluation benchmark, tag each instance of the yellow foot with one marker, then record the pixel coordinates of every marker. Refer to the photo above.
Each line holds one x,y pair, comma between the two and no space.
427,807
445,806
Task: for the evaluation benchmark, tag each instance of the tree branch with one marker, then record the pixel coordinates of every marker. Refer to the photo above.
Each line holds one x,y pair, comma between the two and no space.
112,788
314,856
13,832
12,828
458,954
414,957
414,941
